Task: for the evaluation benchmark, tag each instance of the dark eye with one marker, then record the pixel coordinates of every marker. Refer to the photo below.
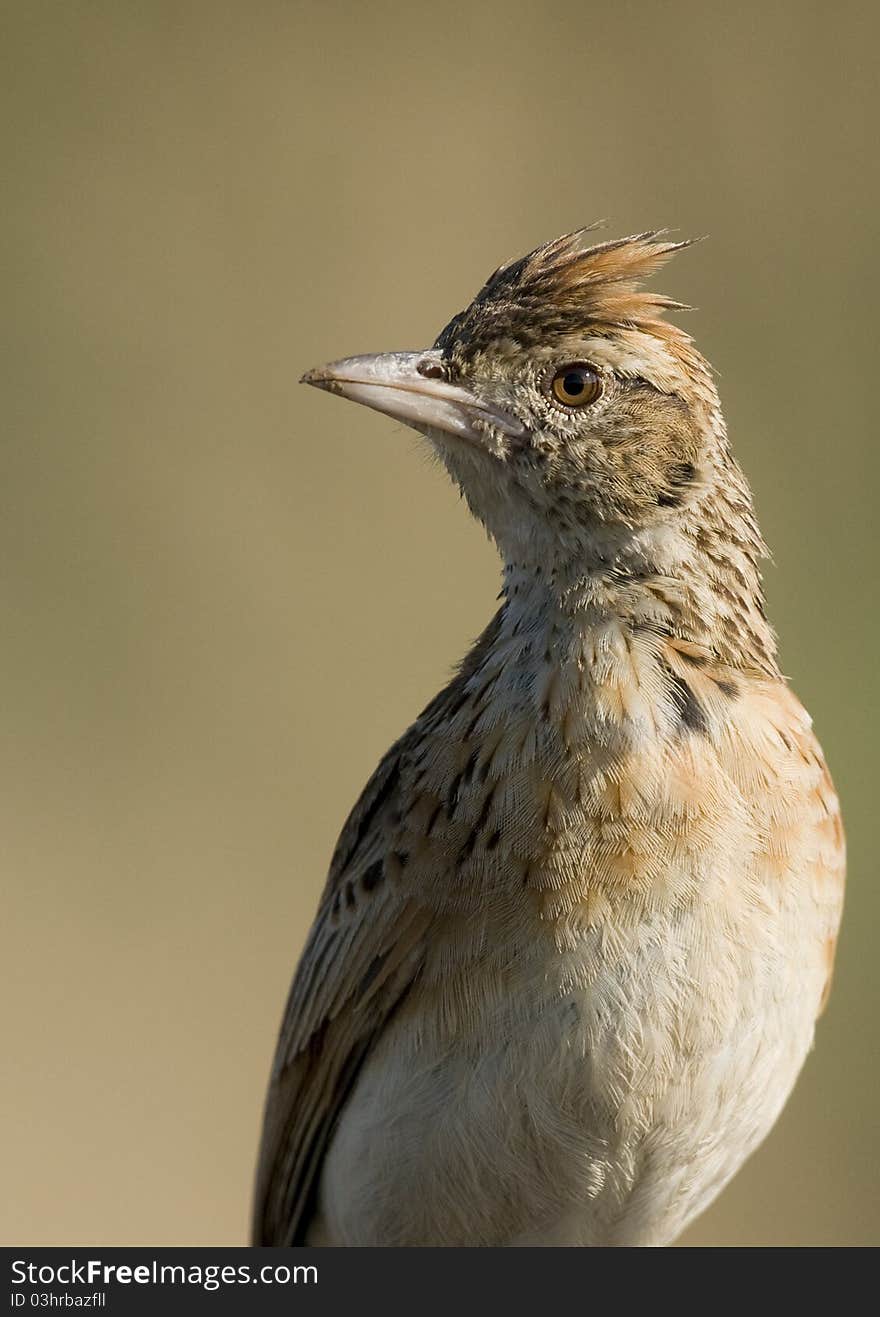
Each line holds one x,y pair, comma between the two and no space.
576,385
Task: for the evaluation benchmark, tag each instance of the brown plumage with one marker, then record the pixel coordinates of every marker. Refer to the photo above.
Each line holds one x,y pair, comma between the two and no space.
578,928
563,286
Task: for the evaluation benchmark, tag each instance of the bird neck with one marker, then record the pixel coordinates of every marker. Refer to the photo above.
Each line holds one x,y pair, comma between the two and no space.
699,583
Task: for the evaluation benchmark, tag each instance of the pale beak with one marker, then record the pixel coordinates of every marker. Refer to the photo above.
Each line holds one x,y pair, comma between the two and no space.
410,386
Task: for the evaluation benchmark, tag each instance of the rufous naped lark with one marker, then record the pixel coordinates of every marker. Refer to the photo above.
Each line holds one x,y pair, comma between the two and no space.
580,924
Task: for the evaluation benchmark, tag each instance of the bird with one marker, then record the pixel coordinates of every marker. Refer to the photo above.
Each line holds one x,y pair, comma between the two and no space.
579,927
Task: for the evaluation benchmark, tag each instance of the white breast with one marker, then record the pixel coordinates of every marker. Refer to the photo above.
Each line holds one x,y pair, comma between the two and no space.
610,1115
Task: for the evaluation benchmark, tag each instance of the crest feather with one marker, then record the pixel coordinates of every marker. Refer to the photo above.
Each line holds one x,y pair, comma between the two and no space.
564,285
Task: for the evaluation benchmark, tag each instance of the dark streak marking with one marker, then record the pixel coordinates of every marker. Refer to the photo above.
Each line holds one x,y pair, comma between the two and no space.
467,849
371,811
372,876
452,797
470,843
679,475
493,841
458,704
373,971
728,688
690,712
433,819
469,730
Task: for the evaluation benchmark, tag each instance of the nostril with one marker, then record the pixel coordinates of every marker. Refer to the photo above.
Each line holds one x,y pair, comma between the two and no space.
430,370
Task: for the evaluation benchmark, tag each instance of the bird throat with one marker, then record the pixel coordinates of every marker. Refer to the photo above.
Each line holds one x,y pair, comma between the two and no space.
699,588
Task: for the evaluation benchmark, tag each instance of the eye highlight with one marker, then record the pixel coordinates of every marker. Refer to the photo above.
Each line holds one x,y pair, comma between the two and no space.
576,385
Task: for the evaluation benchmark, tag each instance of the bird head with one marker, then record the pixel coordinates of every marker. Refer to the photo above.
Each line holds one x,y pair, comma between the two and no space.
563,404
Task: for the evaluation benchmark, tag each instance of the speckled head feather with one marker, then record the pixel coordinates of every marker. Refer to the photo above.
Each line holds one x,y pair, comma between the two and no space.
634,481
644,478
563,287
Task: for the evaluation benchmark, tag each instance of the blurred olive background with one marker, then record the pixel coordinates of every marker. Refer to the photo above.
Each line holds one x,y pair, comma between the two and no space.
224,595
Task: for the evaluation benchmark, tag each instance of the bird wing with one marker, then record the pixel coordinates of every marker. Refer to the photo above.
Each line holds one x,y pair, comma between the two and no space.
362,957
